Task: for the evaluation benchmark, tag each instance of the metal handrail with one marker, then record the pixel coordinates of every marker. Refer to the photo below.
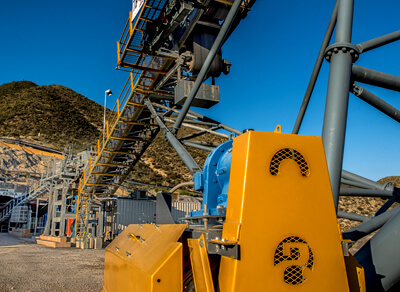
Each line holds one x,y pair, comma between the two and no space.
130,33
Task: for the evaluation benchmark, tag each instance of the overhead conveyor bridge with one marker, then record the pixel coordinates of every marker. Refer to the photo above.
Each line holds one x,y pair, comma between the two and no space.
148,94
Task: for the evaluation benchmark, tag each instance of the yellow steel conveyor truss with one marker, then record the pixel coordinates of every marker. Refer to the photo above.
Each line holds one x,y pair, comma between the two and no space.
130,128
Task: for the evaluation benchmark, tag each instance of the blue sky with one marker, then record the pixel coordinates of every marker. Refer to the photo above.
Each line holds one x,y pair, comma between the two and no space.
73,43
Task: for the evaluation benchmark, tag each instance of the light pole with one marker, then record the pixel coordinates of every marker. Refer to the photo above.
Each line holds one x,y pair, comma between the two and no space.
106,93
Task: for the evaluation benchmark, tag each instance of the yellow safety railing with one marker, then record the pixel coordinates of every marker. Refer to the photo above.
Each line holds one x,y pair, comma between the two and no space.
130,30
111,123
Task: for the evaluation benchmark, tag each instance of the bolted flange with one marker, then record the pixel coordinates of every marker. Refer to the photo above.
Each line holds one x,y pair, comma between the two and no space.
344,48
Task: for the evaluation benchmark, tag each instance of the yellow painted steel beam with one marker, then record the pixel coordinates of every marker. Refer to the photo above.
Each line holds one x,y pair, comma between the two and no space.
100,185
225,2
108,174
146,19
113,164
147,6
134,51
135,104
129,139
200,264
31,150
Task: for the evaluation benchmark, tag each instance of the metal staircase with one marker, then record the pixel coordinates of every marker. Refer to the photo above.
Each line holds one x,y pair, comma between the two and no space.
40,189
66,171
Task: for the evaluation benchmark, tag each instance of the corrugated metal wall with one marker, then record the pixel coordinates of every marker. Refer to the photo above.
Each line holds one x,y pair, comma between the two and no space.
180,209
144,211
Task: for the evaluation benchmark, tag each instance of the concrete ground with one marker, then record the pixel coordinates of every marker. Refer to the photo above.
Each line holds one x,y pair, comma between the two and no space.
26,266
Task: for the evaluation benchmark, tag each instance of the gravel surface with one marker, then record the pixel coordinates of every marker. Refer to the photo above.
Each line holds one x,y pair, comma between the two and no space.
27,266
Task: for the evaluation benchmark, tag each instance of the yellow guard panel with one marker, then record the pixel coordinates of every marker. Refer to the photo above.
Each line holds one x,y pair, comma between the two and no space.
200,264
280,211
145,258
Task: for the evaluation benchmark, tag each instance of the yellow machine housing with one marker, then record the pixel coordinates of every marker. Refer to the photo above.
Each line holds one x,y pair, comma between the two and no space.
280,211
145,258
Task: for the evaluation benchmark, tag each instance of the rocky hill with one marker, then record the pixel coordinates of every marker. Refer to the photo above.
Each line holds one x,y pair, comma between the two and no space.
51,115
55,116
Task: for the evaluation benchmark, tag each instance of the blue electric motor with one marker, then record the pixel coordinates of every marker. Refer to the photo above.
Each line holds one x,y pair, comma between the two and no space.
213,181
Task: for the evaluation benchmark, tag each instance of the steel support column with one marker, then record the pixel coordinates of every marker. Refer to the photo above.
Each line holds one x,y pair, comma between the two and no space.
36,217
49,211
334,128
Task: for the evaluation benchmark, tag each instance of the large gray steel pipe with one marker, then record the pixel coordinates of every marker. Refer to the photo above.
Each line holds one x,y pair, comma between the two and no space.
187,159
352,216
376,78
367,183
337,98
370,226
377,103
380,257
379,41
366,192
